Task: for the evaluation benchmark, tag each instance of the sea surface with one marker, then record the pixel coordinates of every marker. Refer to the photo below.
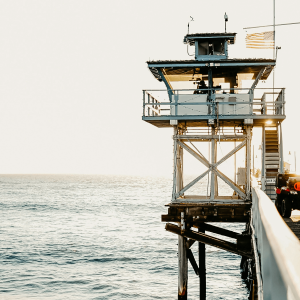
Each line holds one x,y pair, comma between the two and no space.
98,237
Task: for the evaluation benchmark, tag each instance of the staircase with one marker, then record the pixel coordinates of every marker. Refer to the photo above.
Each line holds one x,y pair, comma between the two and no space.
272,160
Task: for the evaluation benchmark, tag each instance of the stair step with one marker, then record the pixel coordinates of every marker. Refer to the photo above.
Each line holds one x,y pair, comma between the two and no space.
271,154
272,166
271,136
271,174
272,162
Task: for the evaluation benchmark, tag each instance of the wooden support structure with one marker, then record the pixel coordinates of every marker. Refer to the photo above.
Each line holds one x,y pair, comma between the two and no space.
209,240
207,212
182,249
212,115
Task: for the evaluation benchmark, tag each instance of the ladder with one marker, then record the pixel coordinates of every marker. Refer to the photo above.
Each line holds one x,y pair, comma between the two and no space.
271,160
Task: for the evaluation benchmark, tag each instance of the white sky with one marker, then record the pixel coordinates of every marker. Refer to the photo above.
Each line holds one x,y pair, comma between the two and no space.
72,74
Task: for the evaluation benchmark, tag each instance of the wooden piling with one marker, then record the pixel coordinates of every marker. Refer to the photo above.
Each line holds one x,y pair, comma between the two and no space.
182,268
202,267
182,241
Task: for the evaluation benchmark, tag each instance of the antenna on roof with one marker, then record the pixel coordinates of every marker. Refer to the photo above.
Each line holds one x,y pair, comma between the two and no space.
192,19
226,20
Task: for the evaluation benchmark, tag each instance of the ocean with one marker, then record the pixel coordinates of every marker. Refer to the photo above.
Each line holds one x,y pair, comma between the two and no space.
98,237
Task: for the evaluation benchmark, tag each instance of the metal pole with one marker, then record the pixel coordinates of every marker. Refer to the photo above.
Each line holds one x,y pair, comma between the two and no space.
202,267
248,162
253,161
274,28
214,182
234,163
274,46
174,165
281,150
263,151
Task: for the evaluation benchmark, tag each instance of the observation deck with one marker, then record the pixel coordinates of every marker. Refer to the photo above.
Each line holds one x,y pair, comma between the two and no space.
227,107
225,94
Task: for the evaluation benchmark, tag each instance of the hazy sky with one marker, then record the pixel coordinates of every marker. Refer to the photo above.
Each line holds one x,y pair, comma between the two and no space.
72,74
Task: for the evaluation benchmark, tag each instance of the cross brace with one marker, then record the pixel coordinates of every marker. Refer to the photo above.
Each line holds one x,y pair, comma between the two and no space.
212,167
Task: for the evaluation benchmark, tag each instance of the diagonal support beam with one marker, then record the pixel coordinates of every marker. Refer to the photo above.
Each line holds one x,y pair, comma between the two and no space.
190,243
209,240
181,192
254,84
217,230
234,186
192,260
229,154
195,154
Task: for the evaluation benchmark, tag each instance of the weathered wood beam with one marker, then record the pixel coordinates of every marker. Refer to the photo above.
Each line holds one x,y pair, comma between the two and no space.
209,218
202,267
209,240
192,260
217,230
190,243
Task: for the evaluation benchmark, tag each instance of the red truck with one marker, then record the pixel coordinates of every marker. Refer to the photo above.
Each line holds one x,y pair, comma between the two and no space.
287,193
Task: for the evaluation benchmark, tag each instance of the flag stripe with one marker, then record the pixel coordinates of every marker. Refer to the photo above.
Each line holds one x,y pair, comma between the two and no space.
262,40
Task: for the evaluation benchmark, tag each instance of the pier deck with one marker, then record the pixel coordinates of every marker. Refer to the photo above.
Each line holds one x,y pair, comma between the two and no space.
294,223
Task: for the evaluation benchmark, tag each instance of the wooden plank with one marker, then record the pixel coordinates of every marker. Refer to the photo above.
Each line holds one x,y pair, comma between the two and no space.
210,218
294,224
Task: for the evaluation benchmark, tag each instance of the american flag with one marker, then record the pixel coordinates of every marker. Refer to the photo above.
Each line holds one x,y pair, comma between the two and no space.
263,40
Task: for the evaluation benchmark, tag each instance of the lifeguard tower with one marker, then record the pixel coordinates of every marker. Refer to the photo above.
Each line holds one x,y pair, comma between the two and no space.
216,109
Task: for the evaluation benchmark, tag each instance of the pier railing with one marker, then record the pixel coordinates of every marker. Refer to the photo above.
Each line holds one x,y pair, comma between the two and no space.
221,102
277,251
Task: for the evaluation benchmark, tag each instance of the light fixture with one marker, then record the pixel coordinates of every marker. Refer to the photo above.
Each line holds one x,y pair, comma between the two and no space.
226,20
269,122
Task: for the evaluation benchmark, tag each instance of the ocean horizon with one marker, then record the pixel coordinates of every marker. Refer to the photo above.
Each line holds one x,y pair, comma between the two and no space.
98,237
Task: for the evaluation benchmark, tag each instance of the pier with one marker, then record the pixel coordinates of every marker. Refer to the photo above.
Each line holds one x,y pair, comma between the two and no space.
215,108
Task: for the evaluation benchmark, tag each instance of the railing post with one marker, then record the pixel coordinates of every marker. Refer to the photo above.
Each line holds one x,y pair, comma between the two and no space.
251,101
148,102
283,100
152,101
176,104
263,151
144,103
281,150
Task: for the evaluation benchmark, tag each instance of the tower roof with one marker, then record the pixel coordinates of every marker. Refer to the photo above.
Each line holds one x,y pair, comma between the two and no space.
190,38
186,70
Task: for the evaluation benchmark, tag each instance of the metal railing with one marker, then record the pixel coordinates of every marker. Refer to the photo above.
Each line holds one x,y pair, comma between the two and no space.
277,251
222,102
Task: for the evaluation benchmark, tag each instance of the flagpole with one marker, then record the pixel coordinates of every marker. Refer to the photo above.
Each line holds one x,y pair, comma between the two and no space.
274,27
274,46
